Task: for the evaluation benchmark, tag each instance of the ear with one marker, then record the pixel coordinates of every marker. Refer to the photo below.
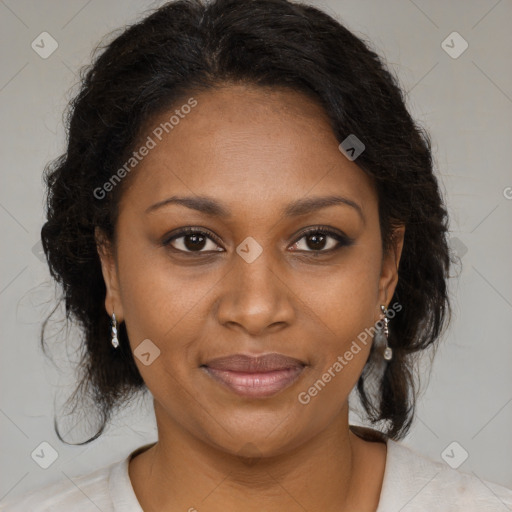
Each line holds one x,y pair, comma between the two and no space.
109,271
389,270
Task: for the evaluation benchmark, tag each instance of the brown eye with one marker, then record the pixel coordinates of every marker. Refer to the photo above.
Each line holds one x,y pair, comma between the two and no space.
192,240
321,240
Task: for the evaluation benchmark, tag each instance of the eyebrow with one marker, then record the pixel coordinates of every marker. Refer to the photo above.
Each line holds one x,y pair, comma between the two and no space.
297,208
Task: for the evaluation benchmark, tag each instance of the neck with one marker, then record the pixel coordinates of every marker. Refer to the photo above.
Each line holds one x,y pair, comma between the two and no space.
181,472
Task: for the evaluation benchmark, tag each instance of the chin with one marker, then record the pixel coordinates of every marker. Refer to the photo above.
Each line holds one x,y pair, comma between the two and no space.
257,435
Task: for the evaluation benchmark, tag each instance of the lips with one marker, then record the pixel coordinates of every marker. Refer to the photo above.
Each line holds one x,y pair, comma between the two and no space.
255,376
254,364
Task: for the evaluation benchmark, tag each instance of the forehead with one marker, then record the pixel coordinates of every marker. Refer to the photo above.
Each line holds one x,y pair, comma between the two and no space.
245,144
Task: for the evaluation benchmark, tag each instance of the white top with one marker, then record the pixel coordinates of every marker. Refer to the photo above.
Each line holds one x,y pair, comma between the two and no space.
411,483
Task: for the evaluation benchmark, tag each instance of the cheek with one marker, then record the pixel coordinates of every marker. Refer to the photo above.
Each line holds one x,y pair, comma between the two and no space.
346,320
345,303
345,296
160,304
158,297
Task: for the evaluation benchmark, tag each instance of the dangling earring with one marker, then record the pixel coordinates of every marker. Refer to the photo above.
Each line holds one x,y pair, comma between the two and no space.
115,341
388,351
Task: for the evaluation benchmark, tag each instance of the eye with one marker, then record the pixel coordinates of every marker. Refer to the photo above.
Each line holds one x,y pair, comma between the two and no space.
317,240
197,240
192,240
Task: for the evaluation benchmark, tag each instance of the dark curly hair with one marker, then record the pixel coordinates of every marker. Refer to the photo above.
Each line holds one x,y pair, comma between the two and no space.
194,45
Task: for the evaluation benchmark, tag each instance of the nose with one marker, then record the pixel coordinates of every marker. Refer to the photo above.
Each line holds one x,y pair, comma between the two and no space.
255,298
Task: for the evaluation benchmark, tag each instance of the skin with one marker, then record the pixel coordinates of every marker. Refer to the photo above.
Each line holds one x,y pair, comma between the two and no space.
254,150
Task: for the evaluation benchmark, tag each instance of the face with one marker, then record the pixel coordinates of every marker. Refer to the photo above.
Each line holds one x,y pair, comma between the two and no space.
269,268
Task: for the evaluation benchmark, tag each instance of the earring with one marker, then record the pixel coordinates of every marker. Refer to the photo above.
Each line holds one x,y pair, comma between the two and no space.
388,351
115,341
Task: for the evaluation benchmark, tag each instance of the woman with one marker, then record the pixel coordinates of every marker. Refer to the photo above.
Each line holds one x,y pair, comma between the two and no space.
246,223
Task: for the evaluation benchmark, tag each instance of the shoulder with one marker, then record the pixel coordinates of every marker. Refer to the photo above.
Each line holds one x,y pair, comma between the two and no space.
79,494
413,482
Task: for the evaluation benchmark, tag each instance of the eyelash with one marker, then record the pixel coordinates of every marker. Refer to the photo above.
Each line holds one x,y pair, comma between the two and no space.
343,240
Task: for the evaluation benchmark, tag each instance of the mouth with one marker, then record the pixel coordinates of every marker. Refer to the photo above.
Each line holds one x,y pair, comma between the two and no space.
255,377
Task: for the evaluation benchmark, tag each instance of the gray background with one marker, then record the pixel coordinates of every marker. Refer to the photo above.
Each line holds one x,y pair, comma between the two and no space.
466,102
